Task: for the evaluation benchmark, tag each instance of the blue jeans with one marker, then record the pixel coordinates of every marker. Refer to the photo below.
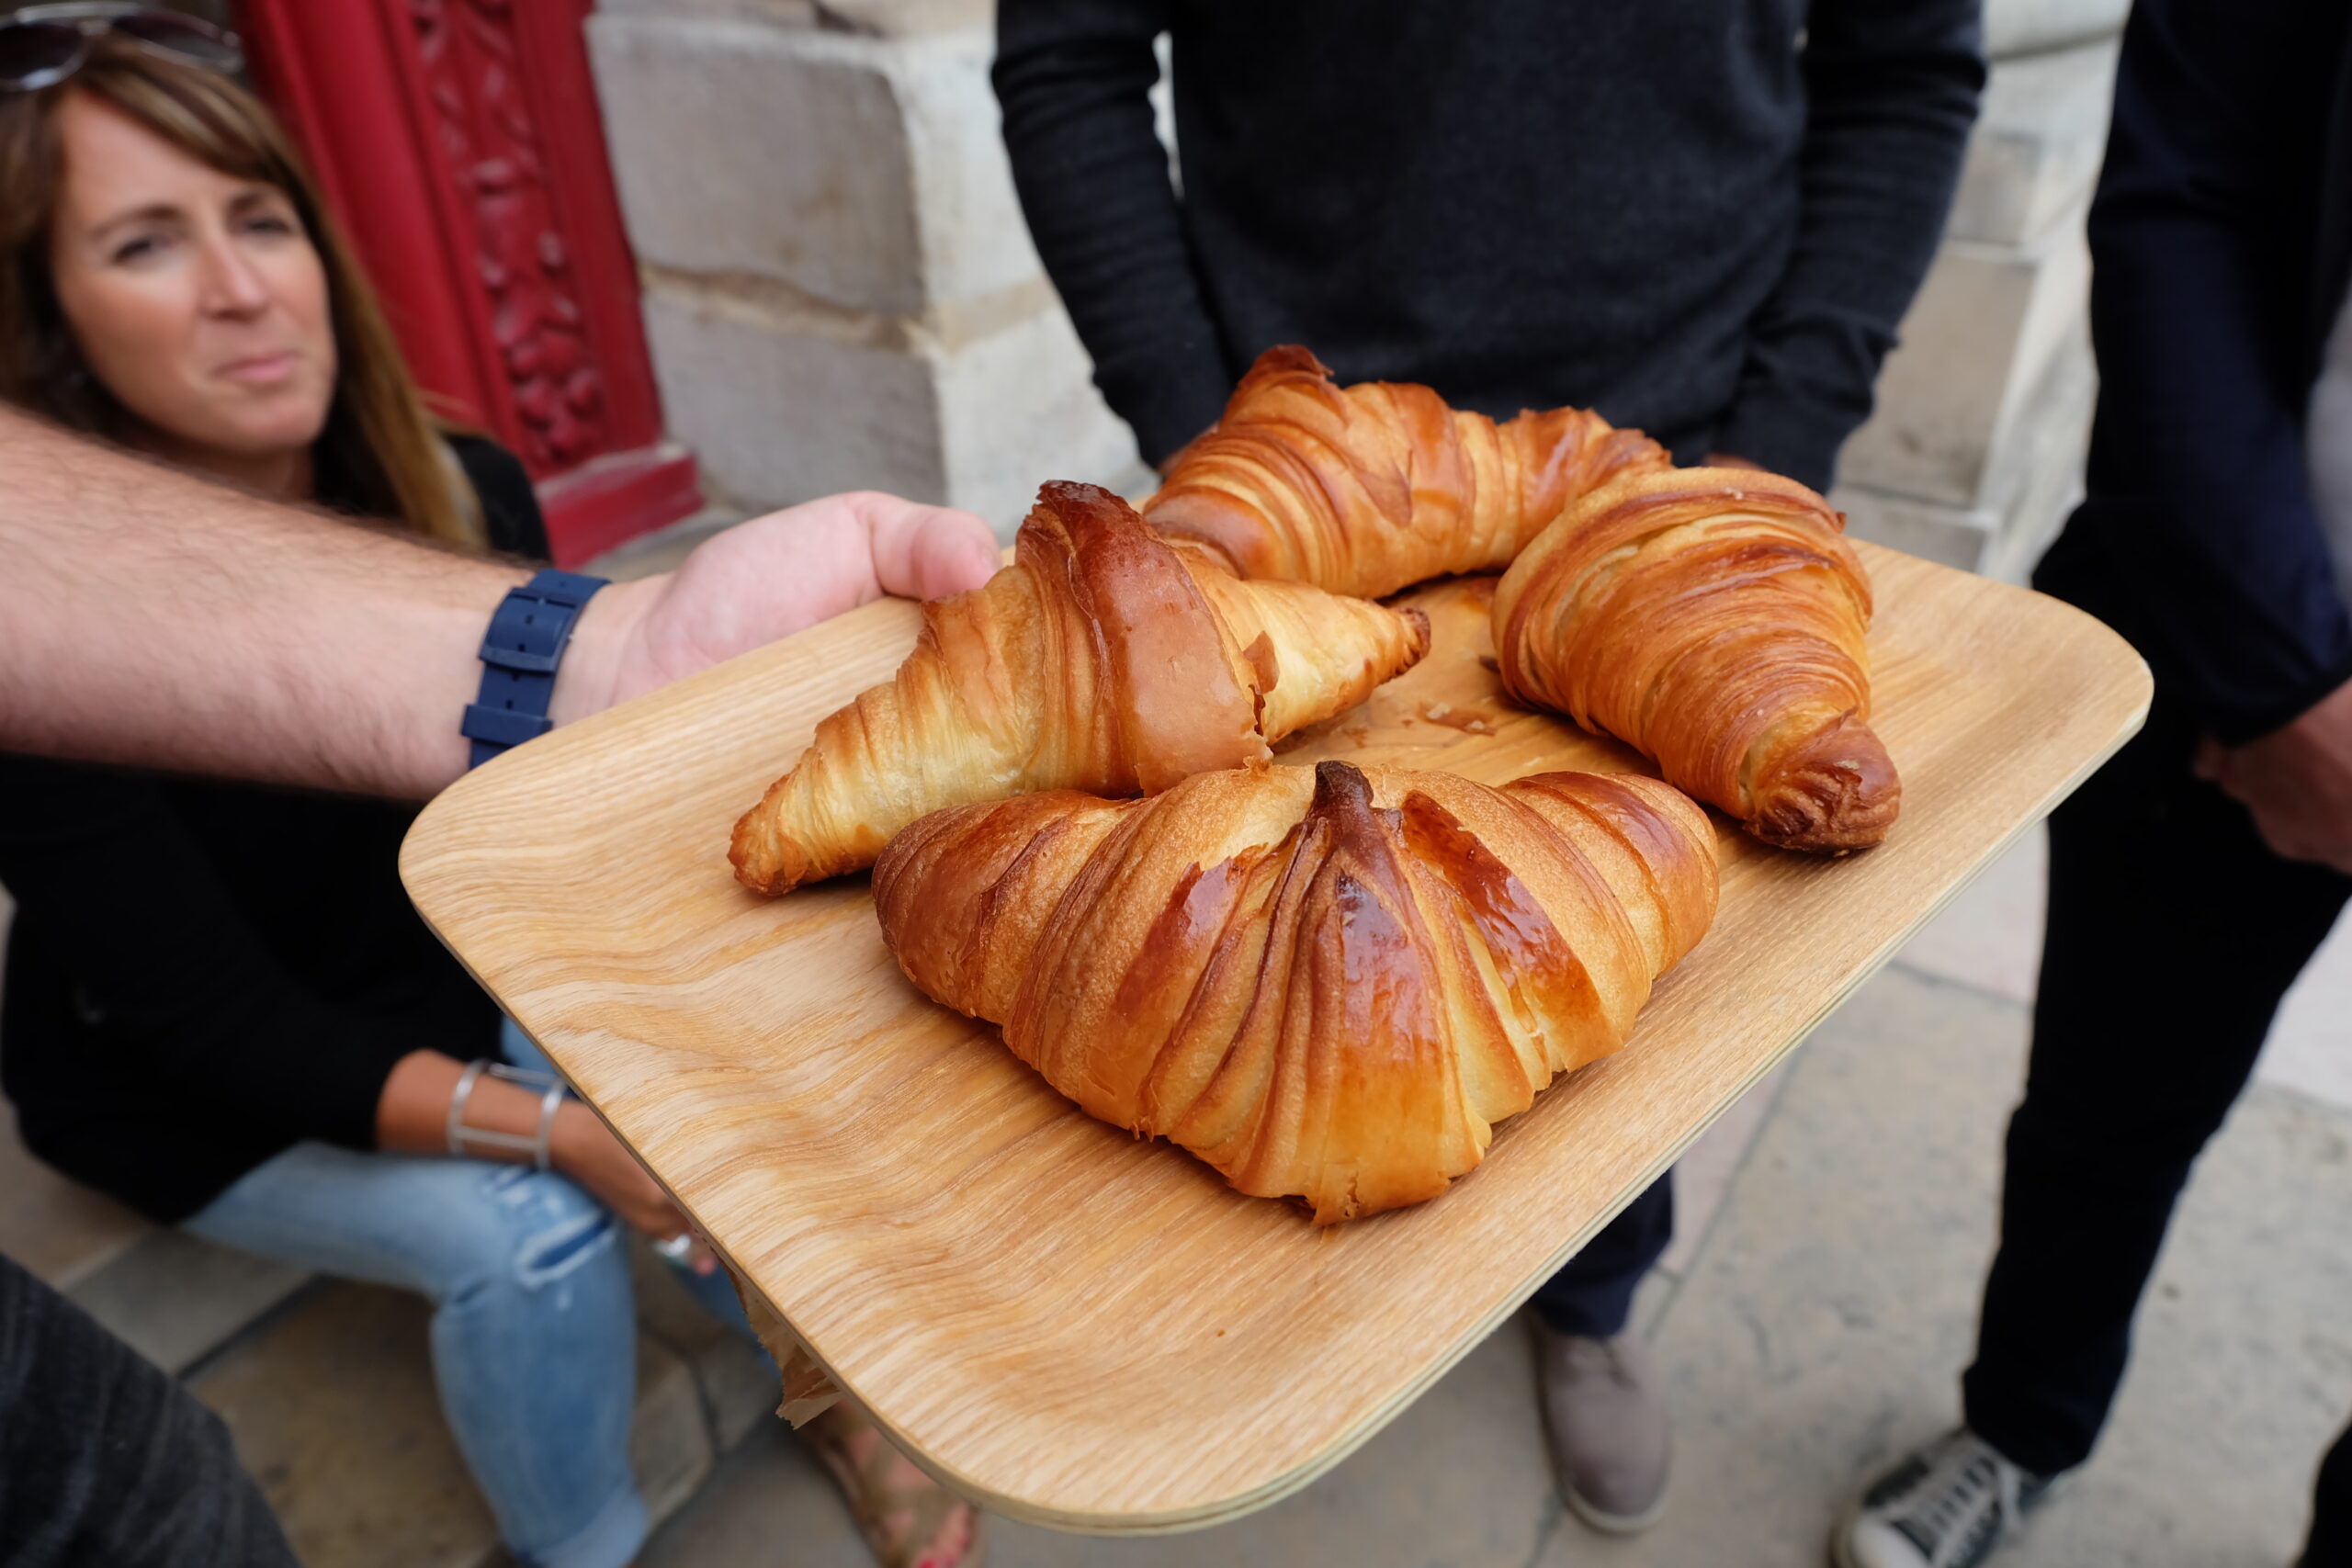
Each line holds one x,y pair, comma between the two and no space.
534,1325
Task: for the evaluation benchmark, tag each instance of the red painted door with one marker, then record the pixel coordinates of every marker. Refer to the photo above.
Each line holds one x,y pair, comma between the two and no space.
460,145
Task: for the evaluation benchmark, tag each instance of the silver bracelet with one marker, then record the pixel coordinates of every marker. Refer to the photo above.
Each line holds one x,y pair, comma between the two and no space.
464,1140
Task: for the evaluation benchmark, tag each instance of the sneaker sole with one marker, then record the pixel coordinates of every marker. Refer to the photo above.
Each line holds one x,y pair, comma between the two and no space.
1598,1518
1841,1555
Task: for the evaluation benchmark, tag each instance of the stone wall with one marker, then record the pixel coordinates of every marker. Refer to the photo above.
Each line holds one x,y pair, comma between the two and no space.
1974,456
839,292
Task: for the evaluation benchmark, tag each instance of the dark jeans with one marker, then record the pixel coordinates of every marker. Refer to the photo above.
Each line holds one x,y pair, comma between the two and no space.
1593,1292
2174,931
103,1459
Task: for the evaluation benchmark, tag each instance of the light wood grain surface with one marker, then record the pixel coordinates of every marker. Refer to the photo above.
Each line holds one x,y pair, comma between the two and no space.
1068,1324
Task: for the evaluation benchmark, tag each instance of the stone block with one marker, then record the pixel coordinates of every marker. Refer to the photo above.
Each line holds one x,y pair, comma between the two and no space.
334,1411
875,19
1978,340
778,409
2056,443
2028,27
779,13
781,406
669,1442
2038,480
734,1379
1019,408
57,1228
865,174
1932,530
904,18
744,148
2036,149
175,1298
974,242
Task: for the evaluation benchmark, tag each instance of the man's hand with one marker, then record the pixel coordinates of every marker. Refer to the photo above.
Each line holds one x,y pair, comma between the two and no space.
763,580
2297,780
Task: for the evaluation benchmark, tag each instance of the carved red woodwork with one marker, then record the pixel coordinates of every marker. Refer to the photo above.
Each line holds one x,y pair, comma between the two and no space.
460,145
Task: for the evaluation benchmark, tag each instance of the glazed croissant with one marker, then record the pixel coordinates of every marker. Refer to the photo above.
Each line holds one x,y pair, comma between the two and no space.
1712,619
1367,489
1104,659
1327,985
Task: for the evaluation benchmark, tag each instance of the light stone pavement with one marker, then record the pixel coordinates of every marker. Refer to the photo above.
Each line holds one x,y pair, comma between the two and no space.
1814,1318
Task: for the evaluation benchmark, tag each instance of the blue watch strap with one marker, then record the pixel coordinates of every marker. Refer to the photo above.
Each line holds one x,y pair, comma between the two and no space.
519,655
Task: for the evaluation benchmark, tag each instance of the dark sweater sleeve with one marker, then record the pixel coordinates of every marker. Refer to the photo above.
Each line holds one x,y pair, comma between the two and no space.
1891,88
2199,500
106,1458
1073,78
129,909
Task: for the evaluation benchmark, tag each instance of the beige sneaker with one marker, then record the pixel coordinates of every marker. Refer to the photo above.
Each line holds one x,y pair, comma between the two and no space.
1604,1421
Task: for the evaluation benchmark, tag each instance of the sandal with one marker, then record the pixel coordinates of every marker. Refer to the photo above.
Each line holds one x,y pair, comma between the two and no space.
909,1520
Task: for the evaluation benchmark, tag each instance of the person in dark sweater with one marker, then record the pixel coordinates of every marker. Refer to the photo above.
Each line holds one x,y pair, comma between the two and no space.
219,1006
1702,219
2192,877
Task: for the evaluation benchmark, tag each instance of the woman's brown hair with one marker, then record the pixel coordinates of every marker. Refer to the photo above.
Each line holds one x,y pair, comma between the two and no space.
380,452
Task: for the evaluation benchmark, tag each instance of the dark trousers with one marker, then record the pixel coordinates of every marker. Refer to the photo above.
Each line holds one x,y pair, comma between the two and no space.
103,1459
2174,931
1593,1294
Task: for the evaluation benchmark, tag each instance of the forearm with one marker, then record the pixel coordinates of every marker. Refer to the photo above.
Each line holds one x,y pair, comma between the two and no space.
412,1117
412,1114
153,619
1893,89
1074,77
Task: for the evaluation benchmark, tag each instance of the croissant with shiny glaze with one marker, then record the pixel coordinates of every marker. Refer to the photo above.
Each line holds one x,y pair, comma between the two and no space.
1367,489
1327,985
1105,659
1714,619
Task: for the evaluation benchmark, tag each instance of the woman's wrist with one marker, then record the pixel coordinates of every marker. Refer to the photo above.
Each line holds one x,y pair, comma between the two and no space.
413,1113
573,1140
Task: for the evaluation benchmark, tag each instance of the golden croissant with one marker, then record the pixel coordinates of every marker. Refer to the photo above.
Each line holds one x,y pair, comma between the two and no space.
1327,985
1367,489
1712,619
1105,659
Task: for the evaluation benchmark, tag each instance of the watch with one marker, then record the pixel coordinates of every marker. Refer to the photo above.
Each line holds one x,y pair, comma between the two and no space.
519,655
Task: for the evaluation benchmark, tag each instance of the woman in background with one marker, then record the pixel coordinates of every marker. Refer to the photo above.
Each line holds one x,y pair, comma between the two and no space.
219,1005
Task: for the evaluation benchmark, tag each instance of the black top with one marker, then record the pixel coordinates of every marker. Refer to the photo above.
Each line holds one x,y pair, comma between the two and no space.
1704,217
202,975
2221,238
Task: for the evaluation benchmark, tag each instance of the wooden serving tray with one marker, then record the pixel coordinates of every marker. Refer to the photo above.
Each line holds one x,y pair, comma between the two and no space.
1065,1323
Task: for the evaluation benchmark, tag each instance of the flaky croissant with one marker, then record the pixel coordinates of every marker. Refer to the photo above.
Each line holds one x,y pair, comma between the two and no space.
1367,489
1105,659
1327,985
1712,619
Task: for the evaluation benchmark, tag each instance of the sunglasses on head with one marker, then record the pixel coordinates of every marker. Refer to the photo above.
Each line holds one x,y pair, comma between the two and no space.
42,45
